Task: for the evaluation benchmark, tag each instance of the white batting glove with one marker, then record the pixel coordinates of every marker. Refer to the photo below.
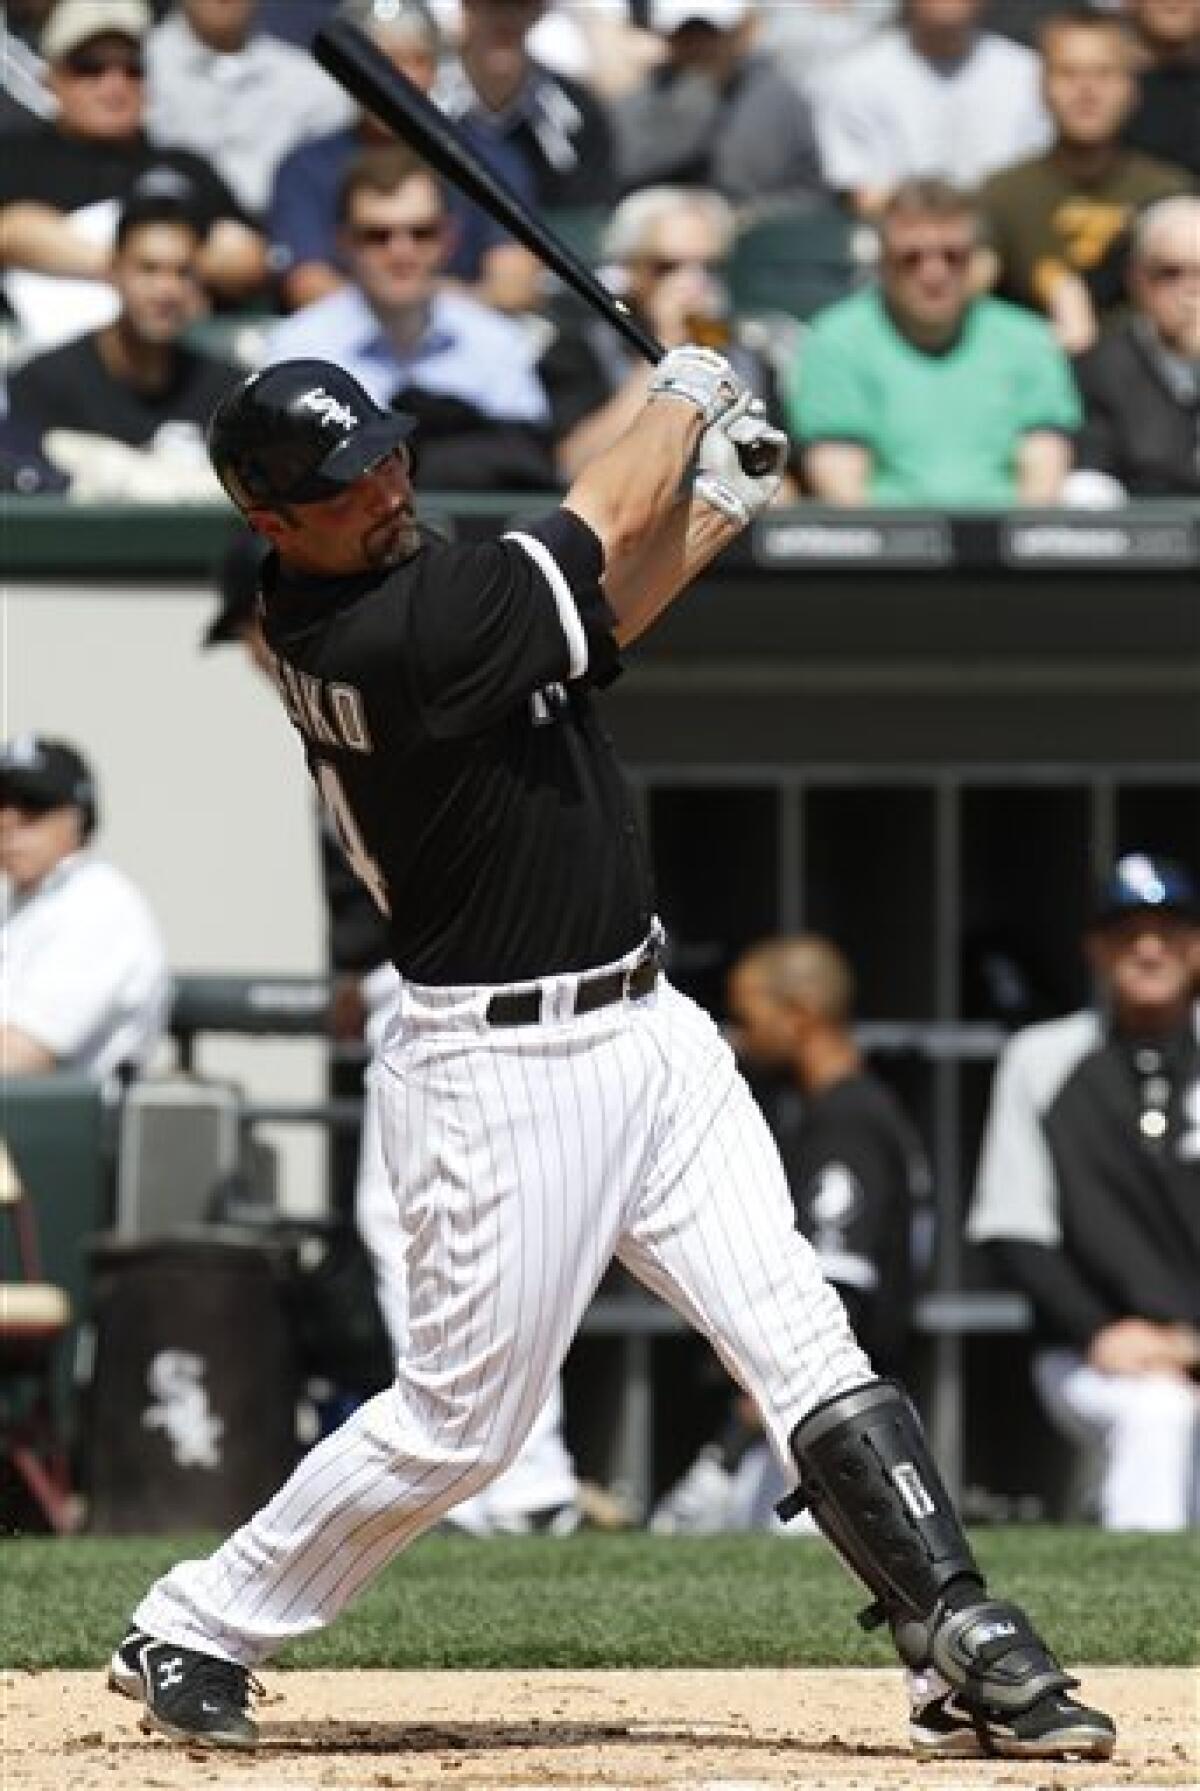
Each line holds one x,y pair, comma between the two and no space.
722,481
699,376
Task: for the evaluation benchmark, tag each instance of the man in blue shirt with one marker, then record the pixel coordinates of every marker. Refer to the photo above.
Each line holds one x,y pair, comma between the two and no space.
303,211
464,370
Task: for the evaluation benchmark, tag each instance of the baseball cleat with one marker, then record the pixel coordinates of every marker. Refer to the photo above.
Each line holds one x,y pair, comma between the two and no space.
189,1696
1054,1728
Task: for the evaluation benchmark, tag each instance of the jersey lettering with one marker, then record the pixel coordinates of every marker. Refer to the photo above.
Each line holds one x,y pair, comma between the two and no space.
326,714
349,834
546,705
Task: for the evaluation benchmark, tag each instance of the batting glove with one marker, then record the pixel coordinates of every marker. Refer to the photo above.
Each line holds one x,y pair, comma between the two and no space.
722,480
699,376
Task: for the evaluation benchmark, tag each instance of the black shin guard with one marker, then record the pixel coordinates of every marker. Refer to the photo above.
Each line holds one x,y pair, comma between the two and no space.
869,1478
873,1487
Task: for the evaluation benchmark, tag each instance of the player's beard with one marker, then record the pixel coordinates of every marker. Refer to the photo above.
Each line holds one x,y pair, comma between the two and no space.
391,541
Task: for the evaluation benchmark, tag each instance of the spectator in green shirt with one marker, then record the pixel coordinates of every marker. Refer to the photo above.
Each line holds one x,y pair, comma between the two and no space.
917,390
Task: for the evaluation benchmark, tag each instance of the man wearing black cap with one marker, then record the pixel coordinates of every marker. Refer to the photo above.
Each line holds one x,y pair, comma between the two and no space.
1089,1193
547,1100
82,962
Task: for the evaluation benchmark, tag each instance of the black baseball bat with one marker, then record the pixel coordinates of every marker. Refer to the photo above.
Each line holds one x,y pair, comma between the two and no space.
360,66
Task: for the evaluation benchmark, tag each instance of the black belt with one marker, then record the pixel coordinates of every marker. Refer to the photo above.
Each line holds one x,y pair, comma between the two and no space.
591,992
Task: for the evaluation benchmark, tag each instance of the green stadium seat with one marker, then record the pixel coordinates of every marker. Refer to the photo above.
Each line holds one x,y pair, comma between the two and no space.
581,227
794,258
55,1130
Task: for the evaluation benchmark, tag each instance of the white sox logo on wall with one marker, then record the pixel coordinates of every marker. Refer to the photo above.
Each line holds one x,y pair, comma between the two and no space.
333,414
175,1377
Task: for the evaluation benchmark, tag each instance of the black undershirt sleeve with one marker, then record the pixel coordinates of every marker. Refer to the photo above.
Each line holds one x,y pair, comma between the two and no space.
1067,1310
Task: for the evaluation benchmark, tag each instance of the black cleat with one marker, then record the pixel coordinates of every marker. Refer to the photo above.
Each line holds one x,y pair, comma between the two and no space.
189,1696
951,1726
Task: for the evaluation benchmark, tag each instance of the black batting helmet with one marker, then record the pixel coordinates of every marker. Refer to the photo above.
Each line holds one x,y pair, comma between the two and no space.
298,432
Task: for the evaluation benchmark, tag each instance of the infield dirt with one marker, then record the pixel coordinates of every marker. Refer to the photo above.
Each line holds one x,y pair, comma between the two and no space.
820,1730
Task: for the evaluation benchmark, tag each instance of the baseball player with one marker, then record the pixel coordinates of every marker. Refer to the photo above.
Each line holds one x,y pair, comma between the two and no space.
540,1490
548,1101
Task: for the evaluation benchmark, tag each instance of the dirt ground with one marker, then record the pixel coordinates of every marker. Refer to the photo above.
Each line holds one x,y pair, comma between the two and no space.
624,1731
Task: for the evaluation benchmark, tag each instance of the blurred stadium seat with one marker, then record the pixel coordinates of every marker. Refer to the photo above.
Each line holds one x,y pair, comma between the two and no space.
796,258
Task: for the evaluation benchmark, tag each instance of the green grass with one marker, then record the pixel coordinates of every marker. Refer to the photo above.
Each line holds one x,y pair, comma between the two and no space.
609,1601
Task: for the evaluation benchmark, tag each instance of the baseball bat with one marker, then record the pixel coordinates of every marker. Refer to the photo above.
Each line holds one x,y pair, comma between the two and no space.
360,66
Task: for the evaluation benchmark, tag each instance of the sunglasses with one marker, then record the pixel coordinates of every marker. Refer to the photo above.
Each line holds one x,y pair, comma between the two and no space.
1166,273
909,260
662,265
92,65
31,808
378,236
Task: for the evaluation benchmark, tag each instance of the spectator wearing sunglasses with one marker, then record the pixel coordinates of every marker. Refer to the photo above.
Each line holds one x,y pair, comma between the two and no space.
63,181
1141,383
413,339
917,390
1088,1194
303,213
665,252
82,959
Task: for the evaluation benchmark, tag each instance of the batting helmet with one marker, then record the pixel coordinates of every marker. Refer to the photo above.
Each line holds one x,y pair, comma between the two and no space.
298,432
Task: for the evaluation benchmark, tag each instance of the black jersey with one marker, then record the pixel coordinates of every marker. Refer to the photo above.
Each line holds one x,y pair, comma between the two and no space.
860,1186
1092,1156
447,718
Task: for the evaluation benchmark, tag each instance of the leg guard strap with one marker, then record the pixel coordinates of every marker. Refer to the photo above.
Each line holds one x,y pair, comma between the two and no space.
992,1653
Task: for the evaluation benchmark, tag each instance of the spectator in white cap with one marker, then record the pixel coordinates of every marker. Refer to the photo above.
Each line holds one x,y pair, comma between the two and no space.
62,181
82,960
715,112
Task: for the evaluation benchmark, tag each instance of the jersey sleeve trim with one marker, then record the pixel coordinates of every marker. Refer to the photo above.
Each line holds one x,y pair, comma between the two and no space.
568,614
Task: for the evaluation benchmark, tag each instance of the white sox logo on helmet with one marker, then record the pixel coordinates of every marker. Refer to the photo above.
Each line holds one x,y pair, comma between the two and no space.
332,413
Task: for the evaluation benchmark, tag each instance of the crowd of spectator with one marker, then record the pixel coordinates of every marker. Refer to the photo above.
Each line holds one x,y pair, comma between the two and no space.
1021,314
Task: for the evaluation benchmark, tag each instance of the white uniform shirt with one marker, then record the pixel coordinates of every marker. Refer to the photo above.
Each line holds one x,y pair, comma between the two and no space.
83,968
884,114
243,110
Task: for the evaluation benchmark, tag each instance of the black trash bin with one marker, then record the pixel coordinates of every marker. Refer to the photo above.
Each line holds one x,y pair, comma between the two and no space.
191,1414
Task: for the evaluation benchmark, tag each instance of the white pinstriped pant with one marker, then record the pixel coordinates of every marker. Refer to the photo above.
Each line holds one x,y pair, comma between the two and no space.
528,1157
542,1476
